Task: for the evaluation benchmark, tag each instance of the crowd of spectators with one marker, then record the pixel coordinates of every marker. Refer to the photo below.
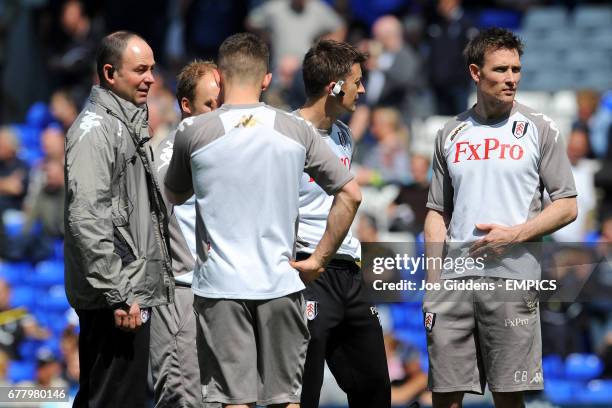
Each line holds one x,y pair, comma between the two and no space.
415,71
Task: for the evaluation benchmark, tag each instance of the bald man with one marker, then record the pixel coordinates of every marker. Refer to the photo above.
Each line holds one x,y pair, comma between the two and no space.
394,77
117,256
174,360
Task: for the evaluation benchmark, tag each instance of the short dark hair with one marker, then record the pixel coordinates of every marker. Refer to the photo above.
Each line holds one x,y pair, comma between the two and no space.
491,39
244,57
188,78
328,61
111,50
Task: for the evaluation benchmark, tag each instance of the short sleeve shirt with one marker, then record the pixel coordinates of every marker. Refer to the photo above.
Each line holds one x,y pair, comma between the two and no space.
244,163
496,173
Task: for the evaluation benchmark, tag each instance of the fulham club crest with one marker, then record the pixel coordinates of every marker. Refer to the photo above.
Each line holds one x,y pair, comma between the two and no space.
430,320
312,309
519,128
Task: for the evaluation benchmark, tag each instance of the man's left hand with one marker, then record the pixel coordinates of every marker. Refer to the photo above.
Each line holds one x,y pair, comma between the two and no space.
498,240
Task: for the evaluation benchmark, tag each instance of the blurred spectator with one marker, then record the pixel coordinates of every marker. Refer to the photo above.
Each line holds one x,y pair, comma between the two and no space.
48,208
583,169
606,357
208,23
603,178
73,64
601,127
587,101
367,229
407,212
394,69
48,371
387,160
293,25
69,346
13,172
5,362
408,380
52,145
162,114
64,108
16,324
564,321
448,33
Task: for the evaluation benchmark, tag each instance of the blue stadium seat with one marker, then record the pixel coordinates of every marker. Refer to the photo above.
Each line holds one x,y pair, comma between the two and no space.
48,273
553,367
596,392
39,115
28,348
509,19
15,272
582,367
58,250
591,17
23,296
545,18
54,301
21,371
561,391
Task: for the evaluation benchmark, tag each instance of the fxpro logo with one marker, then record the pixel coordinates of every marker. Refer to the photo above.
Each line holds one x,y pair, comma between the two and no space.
490,149
516,322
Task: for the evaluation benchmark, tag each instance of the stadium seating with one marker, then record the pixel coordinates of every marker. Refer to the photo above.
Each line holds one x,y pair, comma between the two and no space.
545,18
582,367
21,371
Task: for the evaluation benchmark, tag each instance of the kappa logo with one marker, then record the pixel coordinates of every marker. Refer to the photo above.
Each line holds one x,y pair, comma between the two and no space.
90,120
537,379
519,128
166,155
430,320
184,123
458,129
312,309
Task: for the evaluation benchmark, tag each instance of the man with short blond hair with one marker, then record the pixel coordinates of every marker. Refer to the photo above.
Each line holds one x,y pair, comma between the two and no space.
174,360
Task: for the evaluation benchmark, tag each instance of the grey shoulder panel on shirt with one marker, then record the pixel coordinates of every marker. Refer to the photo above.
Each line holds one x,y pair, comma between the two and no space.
292,126
203,130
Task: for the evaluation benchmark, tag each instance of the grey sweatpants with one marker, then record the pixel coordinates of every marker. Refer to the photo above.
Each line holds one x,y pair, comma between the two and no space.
174,359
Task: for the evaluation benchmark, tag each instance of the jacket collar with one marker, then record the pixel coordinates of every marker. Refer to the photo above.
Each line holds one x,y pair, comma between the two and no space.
131,115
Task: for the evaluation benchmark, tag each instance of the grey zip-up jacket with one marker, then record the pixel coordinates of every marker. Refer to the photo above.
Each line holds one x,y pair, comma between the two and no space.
116,244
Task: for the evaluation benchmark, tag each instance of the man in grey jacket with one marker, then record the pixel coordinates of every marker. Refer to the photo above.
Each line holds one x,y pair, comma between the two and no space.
116,249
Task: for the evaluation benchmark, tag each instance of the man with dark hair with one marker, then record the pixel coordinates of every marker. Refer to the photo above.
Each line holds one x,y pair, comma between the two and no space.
344,327
244,162
174,360
117,261
490,168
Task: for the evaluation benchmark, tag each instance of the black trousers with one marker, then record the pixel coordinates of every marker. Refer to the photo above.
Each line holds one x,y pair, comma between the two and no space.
113,363
345,332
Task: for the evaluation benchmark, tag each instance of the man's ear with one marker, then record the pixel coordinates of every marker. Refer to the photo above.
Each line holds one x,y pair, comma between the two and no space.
266,81
475,72
109,73
185,105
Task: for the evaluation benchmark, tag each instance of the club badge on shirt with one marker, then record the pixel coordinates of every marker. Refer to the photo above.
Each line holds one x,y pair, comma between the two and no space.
312,309
519,128
430,320
144,315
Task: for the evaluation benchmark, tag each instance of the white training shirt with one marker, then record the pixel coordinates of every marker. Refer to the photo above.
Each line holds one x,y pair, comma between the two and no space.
488,172
316,203
244,163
